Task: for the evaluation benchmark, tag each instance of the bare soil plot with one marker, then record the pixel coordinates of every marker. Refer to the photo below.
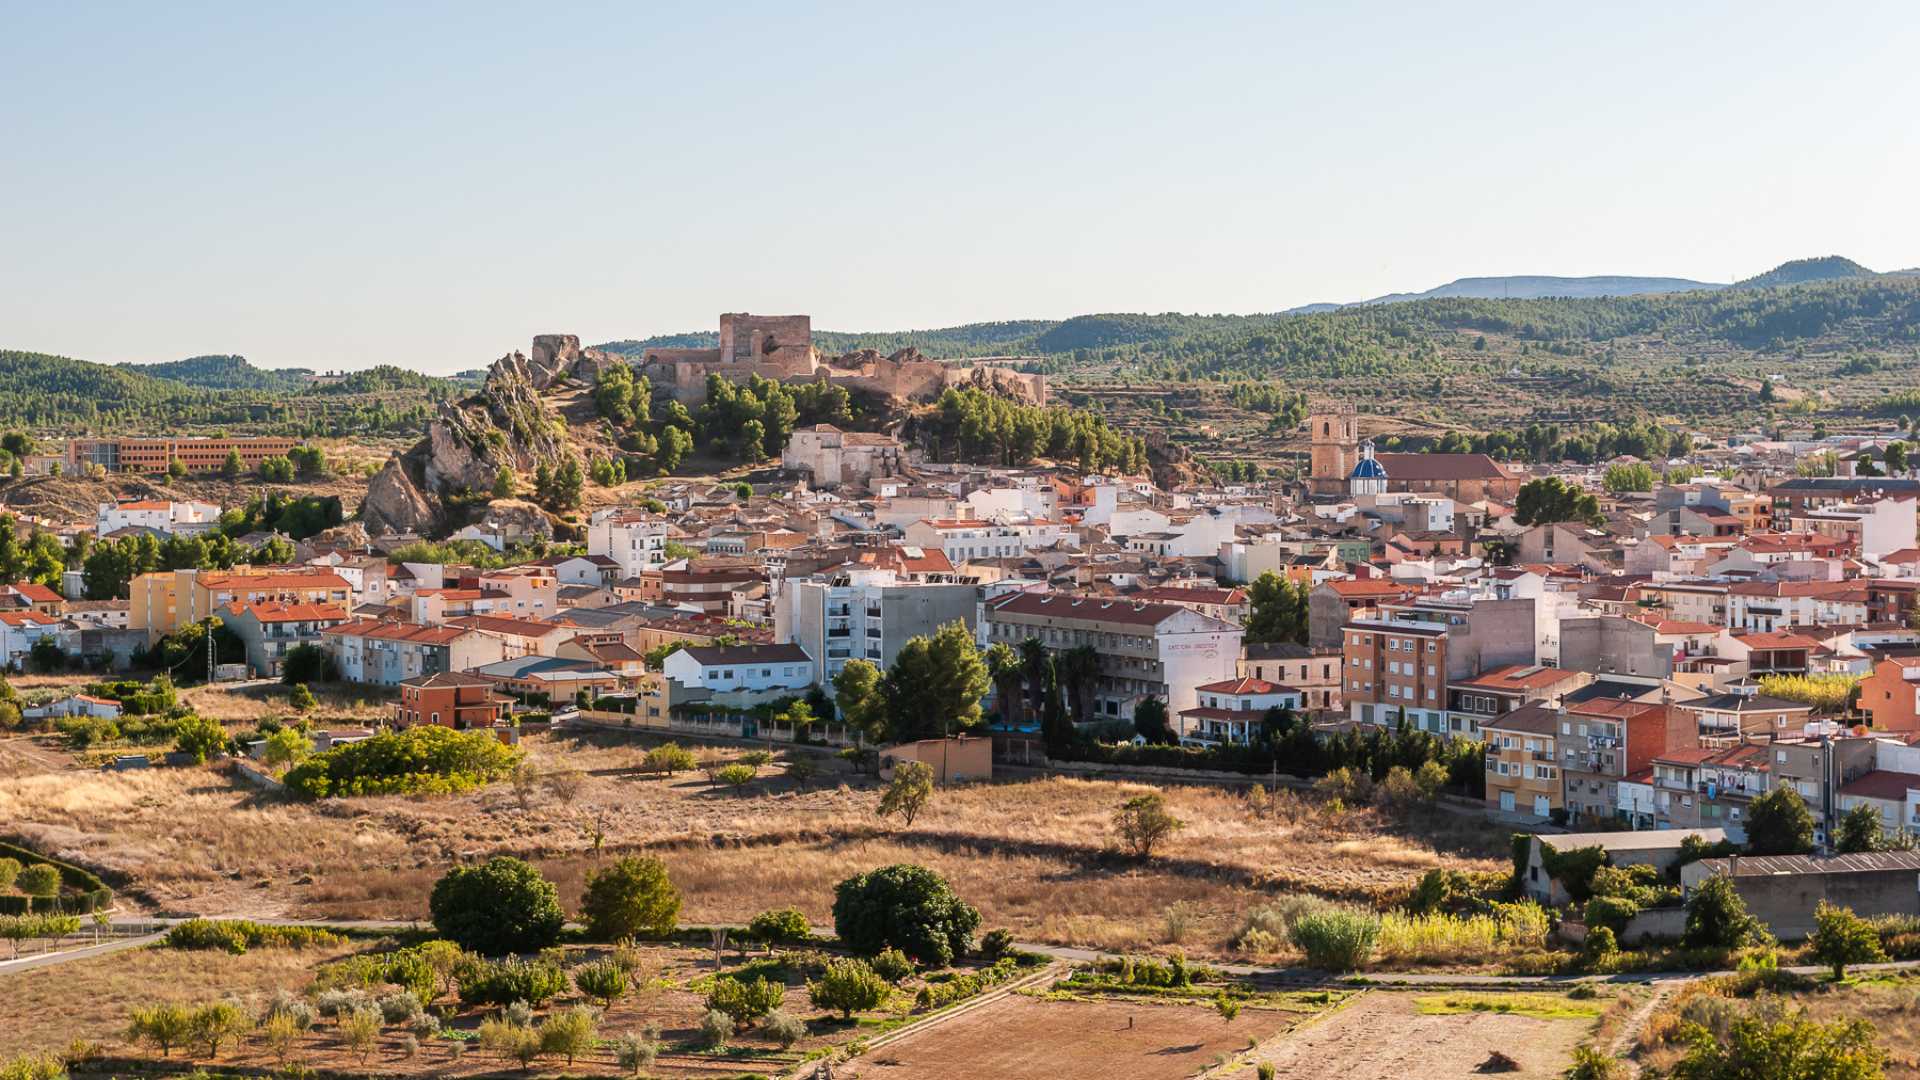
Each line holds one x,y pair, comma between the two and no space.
1030,1038
1386,1036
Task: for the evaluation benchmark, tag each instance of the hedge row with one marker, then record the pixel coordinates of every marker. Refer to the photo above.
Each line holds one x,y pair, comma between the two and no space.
74,904
84,890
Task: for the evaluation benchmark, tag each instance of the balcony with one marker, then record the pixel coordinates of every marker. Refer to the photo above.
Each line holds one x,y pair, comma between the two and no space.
1542,755
873,611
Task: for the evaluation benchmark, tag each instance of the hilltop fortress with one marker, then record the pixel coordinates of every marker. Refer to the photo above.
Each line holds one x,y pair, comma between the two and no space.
780,347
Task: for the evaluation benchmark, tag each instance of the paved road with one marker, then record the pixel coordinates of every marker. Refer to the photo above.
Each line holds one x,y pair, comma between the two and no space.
49,959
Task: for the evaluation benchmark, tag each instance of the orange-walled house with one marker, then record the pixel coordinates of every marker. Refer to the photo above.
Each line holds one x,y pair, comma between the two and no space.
449,699
1891,695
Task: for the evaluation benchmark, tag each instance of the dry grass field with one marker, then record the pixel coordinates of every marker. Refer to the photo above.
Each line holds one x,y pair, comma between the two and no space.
90,999
1035,856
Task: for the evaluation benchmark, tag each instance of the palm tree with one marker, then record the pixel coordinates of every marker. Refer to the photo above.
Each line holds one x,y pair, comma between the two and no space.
1078,668
1034,665
1004,668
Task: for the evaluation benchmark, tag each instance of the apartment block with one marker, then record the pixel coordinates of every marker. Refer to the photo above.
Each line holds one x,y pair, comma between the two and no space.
1146,650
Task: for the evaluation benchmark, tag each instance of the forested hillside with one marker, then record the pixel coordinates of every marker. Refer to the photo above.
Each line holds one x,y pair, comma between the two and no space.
225,373
58,395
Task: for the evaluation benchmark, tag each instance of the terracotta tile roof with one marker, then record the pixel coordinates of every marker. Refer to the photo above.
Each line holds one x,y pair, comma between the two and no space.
446,679
505,624
1778,639
276,580
1613,708
144,504
278,613
1244,686
1518,677
24,618
1882,784
1441,467
1356,588
388,630
35,592
455,594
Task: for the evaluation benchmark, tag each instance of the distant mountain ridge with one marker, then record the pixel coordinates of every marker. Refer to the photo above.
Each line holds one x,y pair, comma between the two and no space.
1083,333
1546,287
1805,271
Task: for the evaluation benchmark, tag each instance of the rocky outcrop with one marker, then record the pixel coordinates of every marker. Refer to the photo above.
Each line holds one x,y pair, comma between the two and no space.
557,356
517,520
505,423
397,502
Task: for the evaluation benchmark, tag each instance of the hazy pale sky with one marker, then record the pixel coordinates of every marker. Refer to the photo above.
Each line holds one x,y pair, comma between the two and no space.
343,184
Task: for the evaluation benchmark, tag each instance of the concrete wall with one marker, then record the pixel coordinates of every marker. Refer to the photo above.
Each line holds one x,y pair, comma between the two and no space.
1785,902
1608,644
1498,632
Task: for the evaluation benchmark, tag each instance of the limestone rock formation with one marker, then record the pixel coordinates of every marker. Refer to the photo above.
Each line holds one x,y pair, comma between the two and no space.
518,520
395,501
560,355
505,423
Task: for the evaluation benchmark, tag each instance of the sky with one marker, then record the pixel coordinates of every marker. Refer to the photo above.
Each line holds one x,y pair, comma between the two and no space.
340,185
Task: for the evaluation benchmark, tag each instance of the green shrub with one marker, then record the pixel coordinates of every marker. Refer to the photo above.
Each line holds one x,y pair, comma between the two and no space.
1592,1064
781,926
784,1028
603,981
500,906
199,738
570,1033
907,907
669,758
943,990
1610,913
715,1029
1336,940
848,986
238,935
1717,918
996,944
9,869
630,898
424,760
892,965
503,982
745,1001
38,879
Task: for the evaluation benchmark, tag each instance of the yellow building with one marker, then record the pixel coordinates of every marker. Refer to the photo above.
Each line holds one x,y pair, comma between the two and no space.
162,602
1523,769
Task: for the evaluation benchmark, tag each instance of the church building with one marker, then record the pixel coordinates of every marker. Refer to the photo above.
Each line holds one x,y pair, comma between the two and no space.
1342,465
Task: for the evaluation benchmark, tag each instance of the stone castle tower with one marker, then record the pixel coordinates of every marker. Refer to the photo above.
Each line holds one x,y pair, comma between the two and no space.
1335,438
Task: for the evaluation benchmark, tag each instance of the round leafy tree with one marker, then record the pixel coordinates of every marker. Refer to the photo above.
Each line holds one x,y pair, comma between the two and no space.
632,897
500,906
907,907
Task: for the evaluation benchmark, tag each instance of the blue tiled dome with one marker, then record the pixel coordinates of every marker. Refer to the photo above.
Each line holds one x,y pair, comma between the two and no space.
1368,469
